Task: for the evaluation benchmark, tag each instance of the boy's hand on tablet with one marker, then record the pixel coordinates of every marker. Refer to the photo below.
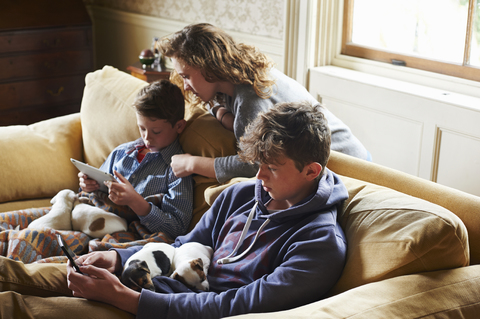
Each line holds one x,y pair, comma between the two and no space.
87,184
123,193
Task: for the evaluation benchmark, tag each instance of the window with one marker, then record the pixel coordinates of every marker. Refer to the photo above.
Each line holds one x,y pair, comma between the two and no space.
441,36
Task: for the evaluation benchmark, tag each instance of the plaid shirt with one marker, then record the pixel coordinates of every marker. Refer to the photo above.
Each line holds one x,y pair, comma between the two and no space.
154,176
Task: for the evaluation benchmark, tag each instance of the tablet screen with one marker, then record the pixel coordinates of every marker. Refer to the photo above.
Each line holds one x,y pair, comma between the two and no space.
94,173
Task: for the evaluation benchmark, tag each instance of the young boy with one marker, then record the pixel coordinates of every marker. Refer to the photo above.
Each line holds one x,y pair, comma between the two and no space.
276,240
142,167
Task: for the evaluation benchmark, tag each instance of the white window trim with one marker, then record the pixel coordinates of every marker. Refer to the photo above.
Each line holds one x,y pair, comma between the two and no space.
313,37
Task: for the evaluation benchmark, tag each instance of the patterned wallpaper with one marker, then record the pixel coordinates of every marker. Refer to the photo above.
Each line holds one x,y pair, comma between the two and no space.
257,17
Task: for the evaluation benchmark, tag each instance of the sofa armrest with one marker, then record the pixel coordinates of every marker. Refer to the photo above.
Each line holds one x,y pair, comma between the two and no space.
36,158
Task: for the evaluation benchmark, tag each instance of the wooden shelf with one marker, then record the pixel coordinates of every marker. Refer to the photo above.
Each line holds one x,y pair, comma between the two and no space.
149,74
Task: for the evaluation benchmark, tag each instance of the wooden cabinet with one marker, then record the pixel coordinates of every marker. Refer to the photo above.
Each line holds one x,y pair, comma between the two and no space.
45,53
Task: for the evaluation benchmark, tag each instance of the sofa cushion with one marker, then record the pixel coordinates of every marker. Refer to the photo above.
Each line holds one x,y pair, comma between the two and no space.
205,136
107,112
391,234
42,150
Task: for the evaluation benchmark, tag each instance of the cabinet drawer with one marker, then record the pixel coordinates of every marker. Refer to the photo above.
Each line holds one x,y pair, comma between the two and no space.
41,40
27,66
54,91
35,114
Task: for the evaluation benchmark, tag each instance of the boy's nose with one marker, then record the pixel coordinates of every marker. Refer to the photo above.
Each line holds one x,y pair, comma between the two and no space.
260,173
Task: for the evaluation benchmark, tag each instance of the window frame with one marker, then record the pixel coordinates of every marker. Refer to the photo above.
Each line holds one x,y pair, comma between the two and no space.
463,71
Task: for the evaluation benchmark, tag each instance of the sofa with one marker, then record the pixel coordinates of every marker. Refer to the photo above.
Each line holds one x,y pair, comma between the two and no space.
413,245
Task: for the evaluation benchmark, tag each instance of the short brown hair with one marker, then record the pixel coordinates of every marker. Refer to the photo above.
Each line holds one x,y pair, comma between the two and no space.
297,130
161,100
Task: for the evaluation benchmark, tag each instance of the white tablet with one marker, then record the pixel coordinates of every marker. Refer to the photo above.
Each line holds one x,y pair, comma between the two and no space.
94,173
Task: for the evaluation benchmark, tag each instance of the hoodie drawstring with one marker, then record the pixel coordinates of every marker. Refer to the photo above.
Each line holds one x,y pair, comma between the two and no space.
229,259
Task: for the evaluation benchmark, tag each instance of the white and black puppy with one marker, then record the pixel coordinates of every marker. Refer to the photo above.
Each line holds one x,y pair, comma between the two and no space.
154,259
190,263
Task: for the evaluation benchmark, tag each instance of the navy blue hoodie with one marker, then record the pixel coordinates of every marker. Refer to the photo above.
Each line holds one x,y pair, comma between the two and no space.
297,257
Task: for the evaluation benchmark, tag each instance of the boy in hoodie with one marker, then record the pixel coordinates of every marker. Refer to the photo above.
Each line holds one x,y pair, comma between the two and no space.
276,240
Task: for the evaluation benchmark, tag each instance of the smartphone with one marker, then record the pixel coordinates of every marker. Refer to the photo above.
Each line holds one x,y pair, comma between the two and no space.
69,253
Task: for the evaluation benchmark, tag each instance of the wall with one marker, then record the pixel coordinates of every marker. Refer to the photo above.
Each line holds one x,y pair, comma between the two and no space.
261,18
416,129
122,28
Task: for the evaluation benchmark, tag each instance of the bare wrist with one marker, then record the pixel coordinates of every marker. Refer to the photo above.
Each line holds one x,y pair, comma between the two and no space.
140,206
223,115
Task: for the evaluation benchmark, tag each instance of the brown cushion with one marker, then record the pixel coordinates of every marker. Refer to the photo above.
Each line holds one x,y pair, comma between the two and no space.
392,234
205,136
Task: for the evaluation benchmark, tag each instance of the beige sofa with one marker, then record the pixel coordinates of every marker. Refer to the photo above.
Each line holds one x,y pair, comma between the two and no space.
413,245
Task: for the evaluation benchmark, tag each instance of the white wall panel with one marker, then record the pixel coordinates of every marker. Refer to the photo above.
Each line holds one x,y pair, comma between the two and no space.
422,131
392,140
458,162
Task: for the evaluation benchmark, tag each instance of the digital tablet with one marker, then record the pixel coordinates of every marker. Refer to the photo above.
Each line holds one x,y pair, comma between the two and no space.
94,173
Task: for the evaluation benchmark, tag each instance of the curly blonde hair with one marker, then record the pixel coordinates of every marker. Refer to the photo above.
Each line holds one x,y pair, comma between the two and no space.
219,58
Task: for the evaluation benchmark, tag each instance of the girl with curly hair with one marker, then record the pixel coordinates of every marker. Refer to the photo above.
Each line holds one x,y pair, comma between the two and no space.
235,82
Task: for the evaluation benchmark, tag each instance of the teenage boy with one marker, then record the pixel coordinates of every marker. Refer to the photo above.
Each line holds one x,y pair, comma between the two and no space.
276,240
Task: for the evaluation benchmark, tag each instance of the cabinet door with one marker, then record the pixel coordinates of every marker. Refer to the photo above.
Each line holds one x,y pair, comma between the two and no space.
48,92
30,66
45,40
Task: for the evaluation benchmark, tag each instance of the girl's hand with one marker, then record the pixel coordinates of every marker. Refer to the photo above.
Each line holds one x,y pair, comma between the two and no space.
87,184
185,164
182,165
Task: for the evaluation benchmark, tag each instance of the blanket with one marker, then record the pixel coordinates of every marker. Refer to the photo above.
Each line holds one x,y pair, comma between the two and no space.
17,242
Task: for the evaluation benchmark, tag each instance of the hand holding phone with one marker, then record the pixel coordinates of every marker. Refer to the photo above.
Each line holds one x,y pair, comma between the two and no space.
69,253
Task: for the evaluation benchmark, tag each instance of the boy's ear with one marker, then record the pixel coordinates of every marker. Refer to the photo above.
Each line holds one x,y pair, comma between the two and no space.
312,170
180,125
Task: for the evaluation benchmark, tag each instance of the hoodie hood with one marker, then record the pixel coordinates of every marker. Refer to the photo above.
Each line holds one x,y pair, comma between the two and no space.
330,192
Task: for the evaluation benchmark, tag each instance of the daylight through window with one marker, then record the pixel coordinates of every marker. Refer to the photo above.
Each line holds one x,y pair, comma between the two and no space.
442,36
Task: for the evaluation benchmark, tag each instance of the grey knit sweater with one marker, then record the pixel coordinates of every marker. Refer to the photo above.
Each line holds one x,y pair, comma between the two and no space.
245,104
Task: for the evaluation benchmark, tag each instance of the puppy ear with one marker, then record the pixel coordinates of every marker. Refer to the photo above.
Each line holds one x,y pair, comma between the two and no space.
83,200
198,264
143,265
54,199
